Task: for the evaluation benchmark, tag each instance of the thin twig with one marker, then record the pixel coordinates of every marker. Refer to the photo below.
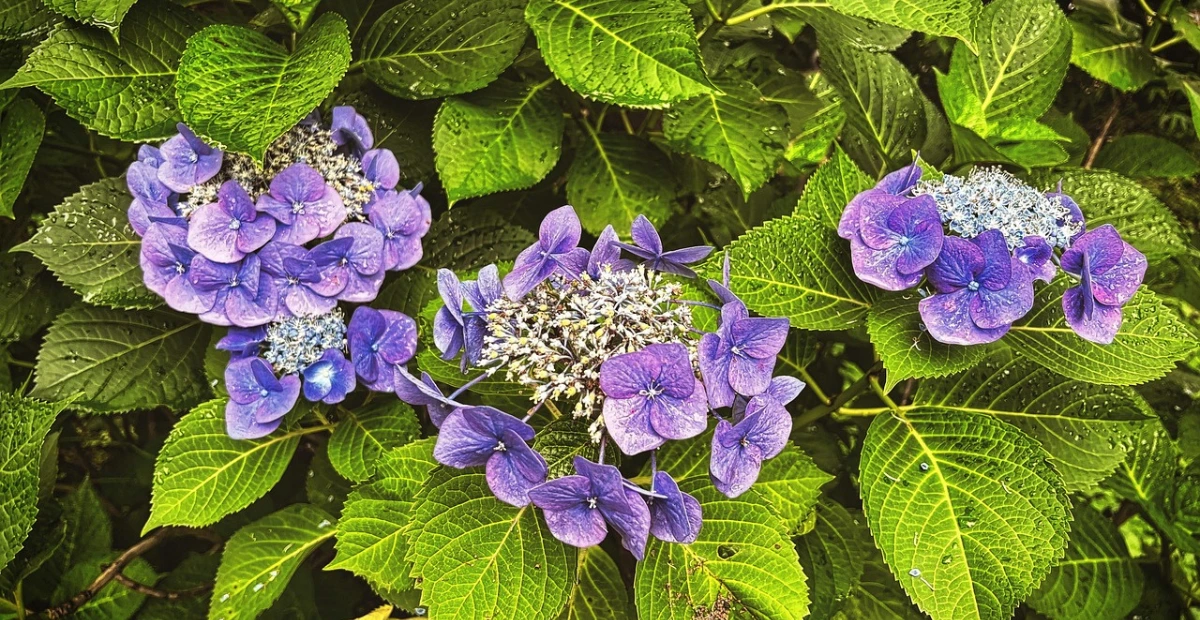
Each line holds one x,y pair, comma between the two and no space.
166,595
109,573
852,392
1099,141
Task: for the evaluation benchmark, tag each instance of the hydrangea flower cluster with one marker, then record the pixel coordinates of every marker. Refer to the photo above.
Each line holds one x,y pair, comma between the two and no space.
614,340
981,242
271,251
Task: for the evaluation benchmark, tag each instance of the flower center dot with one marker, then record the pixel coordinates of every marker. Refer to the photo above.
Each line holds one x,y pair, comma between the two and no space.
298,208
235,224
500,447
264,392
591,502
973,286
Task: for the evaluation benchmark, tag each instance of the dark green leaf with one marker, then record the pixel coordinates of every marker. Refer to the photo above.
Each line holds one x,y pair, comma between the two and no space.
24,423
598,593
21,125
951,18
617,177
104,13
833,553
831,188
1139,155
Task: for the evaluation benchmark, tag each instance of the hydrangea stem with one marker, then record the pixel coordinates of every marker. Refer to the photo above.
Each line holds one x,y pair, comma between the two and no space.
852,392
468,385
637,489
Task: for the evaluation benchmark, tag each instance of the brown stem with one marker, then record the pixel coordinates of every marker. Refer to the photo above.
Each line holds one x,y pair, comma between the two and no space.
109,573
166,595
1099,141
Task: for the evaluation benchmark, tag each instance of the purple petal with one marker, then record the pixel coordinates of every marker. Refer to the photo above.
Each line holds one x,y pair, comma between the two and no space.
213,232
768,429
512,472
783,389
626,375
991,309
606,252
646,236
1034,255
399,341
956,266
1095,322
901,181
714,368
278,404
686,256
1072,207
679,419
242,342
759,337
240,422
366,252
560,231
734,467
570,520
947,316
628,423
245,309
750,376
484,291
573,263
448,334
465,440
870,200
381,168
677,518
674,369
997,266
329,379
878,267
531,268
240,381
631,521
351,129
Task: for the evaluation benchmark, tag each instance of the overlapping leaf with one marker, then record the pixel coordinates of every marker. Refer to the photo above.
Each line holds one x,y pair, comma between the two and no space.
1097,580
28,299
364,435
833,554
791,483
831,188
1112,53
599,592
1149,475
617,177
1140,155
23,18
967,509
951,18
24,423
104,13
114,601
907,349
21,126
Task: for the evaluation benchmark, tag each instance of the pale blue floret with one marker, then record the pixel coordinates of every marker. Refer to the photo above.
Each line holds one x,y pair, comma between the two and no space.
294,343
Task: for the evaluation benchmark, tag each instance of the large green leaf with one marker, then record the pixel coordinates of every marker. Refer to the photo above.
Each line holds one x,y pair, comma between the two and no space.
1142,155
114,601
1111,54
742,565
791,483
21,126
560,441
260,559
599,592
877,595
1024,50
737,130
88,244
1097,580
20,19
797,267
507,136
1149,342
951,18
813,128
481,558
883,106
637,53
833,554
1150,476
364,435
195,571
28,298
868,34
121,86
617,177
24,423
104,13
831,188
907,349
1086,428
1109,198
202,474
242,90
117,360
370,539
968,511
417,50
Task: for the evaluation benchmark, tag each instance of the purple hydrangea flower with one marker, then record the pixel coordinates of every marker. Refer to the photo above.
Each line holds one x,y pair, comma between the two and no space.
305,206
577,507
895,242
243,296
187,161
379,341
295,274
782,390
455,330
243,341
351,264
900,182
676,517
257,399
980,290
351,130
607,252
738,450
166,260
381,169
229,229
556,250
1072,206
150,155
449,329
1110,271
1034,257
474,436
740,357
424,391
329,379
151,199
480,294
652,395
648,247
403,219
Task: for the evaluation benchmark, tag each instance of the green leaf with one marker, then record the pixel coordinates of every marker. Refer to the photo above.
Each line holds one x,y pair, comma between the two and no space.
89,245
813,128
481,558
742,565
737,130
466,239
1151,339
123,86
599,592
1150,476
27,301
1185,24
194,571
951,18
296,12
202,474
877,595
636,53
1024,50
114,601
1097,580
968,511
831,188
617,177
24,423
560,441
1111,54
1109,198
882,103
1085,428
363,436
907,349
116,360
104,13
370,538
684,459
21,19
1139,155
418,51
507,136
260,559
89,531
324,487
867,34
241,90
833,554
21,125
791,483
798,268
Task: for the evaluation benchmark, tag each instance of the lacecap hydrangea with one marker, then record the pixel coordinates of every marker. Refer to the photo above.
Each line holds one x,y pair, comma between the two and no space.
275,251
981,242
607,337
